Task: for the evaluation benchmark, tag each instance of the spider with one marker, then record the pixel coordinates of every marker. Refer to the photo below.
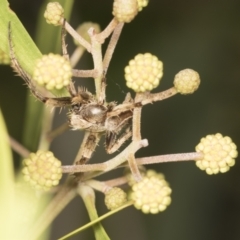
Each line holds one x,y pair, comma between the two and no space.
86,112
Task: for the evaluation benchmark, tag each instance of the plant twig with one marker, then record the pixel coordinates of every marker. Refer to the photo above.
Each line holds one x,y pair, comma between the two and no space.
111,46
48,115
110,164
193,156
98,185
18,148
116,181
154,97
136,136
85,73
76,55
170,158
77,36
98,65
100,37
56,132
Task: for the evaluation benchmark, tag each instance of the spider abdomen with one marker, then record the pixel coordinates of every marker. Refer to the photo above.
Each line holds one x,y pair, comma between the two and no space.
95,113
89,117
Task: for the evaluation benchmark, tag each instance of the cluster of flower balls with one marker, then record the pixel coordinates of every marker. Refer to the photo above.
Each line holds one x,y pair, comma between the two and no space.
152,194
142,74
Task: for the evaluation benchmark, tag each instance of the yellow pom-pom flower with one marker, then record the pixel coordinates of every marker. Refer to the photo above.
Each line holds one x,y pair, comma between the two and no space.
125,10
42,170
4,57
115,198
54,13
219,154
152,194
144,72
142,4
186,81
52,71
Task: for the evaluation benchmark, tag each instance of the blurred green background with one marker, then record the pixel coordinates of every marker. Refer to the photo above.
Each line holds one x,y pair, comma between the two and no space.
202,35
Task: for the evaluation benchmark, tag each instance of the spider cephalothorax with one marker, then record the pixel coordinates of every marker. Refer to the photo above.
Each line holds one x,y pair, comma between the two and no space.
95,117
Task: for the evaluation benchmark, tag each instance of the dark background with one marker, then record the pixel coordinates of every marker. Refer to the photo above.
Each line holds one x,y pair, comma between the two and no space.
202,35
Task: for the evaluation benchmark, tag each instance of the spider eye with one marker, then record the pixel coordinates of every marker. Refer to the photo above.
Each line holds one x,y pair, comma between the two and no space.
76,107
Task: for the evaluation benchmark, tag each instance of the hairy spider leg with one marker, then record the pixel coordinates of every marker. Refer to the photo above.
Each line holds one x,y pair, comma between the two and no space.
112,141
88,147
71,88
55,102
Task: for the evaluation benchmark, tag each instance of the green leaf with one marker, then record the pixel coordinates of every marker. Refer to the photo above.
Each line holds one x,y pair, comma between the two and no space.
6,180
25,49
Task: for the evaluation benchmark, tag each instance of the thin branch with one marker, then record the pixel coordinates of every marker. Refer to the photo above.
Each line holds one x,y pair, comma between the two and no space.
170,158
77,54
98,185
140,161
107,31
116,182
85,73
58,131
106,185
44,142
110,164
154,97
149,98
136,136
111,46
134,168
76,36
18,148
121,157
83,168
64,45
98,64
136,128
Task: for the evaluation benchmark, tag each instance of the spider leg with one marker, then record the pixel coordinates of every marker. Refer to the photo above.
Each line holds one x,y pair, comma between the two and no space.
88,146
19,70
71,88
64,45
113,144
115,125
55,102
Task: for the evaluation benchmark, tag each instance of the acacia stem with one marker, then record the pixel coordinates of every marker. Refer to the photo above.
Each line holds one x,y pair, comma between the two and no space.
76,55
111,46
77,36
170,158
19,148
85,73
193,156
107,31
